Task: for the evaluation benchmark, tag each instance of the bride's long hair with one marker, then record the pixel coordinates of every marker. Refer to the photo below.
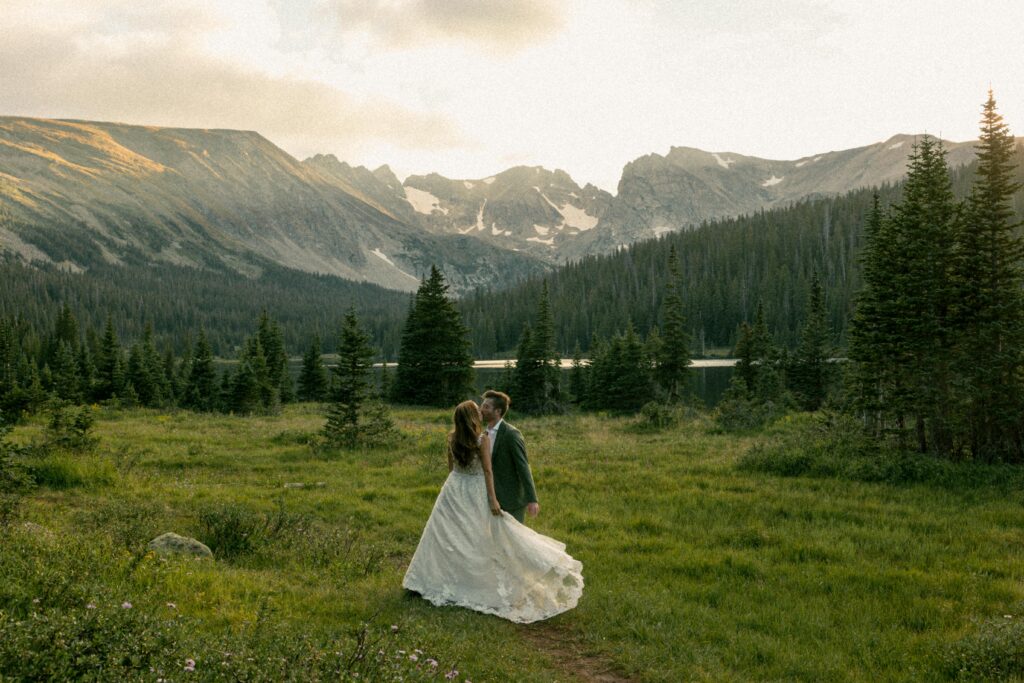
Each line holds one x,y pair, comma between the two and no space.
464,439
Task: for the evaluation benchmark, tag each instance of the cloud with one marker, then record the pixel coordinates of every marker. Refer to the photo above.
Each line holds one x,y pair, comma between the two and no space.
494,25
163,77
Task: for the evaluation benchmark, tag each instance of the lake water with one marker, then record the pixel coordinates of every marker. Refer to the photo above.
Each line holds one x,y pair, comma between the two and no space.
707,383
708,378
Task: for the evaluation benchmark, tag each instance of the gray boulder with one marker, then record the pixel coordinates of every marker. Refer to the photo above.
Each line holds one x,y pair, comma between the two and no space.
173,544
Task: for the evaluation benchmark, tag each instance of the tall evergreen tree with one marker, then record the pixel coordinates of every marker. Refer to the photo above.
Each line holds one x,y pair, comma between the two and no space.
313,377
110,371
809,369
352,382
874,367
66,375
577,376
435,366
535,379
925,222
673,353
989,309
201,390
272,340
251,389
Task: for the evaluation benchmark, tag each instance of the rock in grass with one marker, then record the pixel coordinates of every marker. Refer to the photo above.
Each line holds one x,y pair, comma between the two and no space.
173,544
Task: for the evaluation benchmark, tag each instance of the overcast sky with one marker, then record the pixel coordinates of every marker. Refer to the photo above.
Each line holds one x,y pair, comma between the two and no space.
468,88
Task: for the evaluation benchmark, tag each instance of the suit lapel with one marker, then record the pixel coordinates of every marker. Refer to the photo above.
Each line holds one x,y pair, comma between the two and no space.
498,438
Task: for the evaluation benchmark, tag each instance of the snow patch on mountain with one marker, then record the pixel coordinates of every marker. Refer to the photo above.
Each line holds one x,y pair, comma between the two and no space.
541,230
480,217
550,241
381,255
896,145
774,180
424,202
724,163
660,230
488,181
577,218
572,216
468,185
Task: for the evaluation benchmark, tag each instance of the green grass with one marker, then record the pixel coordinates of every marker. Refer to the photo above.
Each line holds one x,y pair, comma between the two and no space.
696,569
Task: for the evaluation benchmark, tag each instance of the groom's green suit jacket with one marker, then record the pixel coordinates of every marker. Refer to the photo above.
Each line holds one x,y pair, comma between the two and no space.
513,481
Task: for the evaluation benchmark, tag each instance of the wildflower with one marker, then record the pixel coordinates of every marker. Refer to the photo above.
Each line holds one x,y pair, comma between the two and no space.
1007,616
394,628
126,605
451,674
35,601
190,665
172,605
414,657
418,651
432,662
91,605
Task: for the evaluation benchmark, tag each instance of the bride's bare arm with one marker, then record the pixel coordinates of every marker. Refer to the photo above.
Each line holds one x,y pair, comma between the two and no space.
485,460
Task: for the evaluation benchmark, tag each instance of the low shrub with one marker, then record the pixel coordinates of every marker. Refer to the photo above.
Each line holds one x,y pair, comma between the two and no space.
70,428
15,479
232,530
835,445
993,652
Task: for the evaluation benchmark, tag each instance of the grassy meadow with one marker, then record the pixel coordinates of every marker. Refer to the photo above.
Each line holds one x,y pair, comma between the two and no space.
695,568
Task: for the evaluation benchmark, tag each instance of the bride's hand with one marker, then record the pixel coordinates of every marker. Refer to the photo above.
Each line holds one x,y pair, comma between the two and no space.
495,508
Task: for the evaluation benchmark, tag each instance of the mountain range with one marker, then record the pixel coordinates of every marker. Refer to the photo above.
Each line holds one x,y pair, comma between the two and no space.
78,193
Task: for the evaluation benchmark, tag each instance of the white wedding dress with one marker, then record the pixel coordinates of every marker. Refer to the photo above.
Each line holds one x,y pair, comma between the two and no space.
490,563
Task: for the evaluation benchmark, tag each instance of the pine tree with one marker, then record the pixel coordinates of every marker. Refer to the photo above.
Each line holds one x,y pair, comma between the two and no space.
435,366
109,364
65,373
925,223
810,368
989,309
272,340
874,369
146,371
249,384
537,374
577,376
673,353
351,386
631,387
313,377
65,331
201,390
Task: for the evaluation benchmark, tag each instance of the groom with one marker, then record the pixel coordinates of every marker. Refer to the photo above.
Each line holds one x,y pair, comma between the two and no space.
513,482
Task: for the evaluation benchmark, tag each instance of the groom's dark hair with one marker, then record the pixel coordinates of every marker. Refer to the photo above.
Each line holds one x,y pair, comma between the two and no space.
500,400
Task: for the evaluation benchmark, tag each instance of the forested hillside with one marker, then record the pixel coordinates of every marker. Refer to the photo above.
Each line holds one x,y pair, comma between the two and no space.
178,301
727,267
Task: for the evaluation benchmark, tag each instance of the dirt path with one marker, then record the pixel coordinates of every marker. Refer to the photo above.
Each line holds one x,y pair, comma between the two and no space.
568,653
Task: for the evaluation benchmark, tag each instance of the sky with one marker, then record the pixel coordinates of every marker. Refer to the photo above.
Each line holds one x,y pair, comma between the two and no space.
468,88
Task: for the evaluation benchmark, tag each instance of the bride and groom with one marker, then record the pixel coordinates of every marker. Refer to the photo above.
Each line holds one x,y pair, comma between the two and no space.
475,551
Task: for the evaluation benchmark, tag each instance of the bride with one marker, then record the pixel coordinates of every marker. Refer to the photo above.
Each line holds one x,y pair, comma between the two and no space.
475,555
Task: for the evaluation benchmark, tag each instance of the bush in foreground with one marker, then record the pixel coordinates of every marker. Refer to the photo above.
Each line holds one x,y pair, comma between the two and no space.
831,445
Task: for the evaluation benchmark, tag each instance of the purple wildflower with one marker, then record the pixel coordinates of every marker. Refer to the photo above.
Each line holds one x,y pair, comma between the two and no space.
190,665
126,605
451,674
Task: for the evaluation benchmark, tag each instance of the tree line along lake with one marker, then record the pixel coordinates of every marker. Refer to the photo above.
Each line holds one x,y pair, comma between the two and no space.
709,378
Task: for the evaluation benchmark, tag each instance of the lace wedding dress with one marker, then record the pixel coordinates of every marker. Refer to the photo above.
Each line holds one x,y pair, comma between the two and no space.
492,564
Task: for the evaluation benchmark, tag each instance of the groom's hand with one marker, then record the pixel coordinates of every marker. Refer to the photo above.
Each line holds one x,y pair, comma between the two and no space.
533,509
